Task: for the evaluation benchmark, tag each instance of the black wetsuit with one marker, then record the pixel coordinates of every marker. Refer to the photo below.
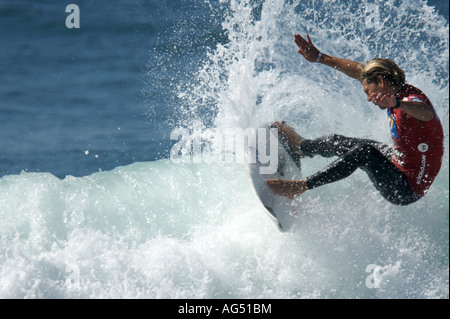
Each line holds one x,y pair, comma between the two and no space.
372,157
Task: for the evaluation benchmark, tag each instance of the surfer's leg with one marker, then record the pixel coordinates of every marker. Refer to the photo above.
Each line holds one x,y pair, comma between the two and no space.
333,145
387,179
392,183
327,146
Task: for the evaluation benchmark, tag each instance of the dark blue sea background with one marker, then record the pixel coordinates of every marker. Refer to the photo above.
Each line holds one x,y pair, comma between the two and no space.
76,101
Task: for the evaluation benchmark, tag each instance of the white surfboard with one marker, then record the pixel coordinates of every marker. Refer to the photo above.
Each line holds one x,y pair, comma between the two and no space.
281,209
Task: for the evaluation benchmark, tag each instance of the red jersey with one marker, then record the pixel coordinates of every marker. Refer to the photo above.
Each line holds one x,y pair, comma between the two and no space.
419,145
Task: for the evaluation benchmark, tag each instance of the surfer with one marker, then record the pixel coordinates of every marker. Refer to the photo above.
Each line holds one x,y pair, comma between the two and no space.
402,173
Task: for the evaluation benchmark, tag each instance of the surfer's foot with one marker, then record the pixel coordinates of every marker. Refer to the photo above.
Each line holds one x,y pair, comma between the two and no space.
290,140
287,188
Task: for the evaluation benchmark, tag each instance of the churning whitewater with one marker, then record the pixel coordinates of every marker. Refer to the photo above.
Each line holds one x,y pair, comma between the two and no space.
195,230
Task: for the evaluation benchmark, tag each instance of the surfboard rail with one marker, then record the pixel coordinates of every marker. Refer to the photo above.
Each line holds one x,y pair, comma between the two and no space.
280,209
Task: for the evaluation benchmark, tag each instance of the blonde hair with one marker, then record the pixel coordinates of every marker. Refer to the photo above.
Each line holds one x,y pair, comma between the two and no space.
384,68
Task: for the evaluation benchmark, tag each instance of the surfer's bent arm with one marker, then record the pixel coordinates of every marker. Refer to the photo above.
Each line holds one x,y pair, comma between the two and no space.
419,110
312,54
351,68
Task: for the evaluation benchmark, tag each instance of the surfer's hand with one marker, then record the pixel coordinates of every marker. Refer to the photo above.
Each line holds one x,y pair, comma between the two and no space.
287,188
306,48
383,100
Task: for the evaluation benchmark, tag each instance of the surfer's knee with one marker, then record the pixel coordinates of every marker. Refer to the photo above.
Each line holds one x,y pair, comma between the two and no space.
334,138
365,148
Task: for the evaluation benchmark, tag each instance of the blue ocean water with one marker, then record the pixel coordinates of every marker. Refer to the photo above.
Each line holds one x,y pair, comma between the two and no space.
105,88
91,206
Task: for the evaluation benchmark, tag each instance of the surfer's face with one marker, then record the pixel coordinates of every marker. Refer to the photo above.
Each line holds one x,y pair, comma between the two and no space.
371,89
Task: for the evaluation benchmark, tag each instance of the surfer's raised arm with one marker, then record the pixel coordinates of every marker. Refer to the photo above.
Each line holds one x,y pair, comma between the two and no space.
312,54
